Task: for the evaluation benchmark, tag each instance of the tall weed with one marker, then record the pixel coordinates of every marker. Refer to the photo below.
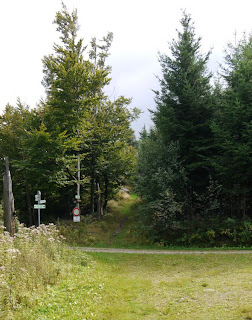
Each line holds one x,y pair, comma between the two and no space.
29,262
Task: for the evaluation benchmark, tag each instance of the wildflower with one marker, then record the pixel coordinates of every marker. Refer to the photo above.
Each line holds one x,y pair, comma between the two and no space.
14,252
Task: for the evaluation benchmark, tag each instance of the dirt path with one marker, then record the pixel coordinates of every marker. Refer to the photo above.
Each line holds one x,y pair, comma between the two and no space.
120,227
140,251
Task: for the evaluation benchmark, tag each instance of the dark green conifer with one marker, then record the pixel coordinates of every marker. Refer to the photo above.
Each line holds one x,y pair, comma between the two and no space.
183,103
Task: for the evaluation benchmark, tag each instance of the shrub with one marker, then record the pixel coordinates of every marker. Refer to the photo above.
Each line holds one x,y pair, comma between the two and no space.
214,232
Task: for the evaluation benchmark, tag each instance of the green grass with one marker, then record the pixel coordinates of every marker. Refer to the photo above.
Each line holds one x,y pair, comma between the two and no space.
176,287
117,286
142,287
108,234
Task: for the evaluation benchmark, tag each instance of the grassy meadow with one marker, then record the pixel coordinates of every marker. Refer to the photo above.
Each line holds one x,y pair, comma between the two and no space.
41,279
176,287
125,286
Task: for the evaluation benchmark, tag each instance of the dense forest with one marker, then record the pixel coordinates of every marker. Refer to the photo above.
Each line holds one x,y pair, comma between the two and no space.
192,169
195,165
77,121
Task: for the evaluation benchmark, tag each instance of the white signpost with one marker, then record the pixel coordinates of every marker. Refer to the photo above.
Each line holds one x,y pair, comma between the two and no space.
40,205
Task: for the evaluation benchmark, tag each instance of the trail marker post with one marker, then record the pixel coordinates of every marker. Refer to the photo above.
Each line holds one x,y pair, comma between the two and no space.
39,205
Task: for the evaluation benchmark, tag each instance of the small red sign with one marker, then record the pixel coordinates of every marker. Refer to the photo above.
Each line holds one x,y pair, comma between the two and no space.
76,212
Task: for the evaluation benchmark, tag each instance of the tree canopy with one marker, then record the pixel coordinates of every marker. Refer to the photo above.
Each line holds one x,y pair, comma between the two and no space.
76,120
192,169
183,111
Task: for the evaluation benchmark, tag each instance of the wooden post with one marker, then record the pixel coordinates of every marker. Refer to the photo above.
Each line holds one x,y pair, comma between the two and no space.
99,201
8,199
78,178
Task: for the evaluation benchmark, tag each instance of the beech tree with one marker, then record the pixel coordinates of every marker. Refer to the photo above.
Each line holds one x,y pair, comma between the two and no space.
77,109
76,120
32,151
110,155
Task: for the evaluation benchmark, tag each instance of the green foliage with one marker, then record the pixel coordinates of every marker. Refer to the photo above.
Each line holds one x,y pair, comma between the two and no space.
32,152
229,232
232,126
183,112
208,204
159,181
159,168
118,228
194,168
93,126
76,121
110,156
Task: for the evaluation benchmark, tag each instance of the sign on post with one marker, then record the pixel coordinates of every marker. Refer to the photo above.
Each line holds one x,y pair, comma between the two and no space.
76,211
76,218
40,205
76,214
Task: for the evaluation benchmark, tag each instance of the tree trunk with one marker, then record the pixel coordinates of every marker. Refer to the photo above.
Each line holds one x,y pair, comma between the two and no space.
92,198
8,200
92,187
105,195
99,201
244,207
29,205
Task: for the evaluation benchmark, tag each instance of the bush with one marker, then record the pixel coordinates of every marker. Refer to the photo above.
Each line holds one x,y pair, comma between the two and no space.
213,232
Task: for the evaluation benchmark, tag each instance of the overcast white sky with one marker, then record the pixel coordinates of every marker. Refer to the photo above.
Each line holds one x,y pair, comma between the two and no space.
141,28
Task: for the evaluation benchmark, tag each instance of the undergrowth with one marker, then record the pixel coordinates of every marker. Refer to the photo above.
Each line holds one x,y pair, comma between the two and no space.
30,261
125,226
118,227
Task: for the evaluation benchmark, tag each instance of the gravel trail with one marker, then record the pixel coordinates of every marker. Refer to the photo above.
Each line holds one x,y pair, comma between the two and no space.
144,251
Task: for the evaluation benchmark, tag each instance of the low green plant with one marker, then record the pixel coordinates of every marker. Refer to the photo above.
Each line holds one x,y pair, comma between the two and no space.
214,232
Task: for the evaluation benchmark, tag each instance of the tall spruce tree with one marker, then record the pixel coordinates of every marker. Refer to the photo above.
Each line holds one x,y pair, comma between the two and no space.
232,128
183,111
